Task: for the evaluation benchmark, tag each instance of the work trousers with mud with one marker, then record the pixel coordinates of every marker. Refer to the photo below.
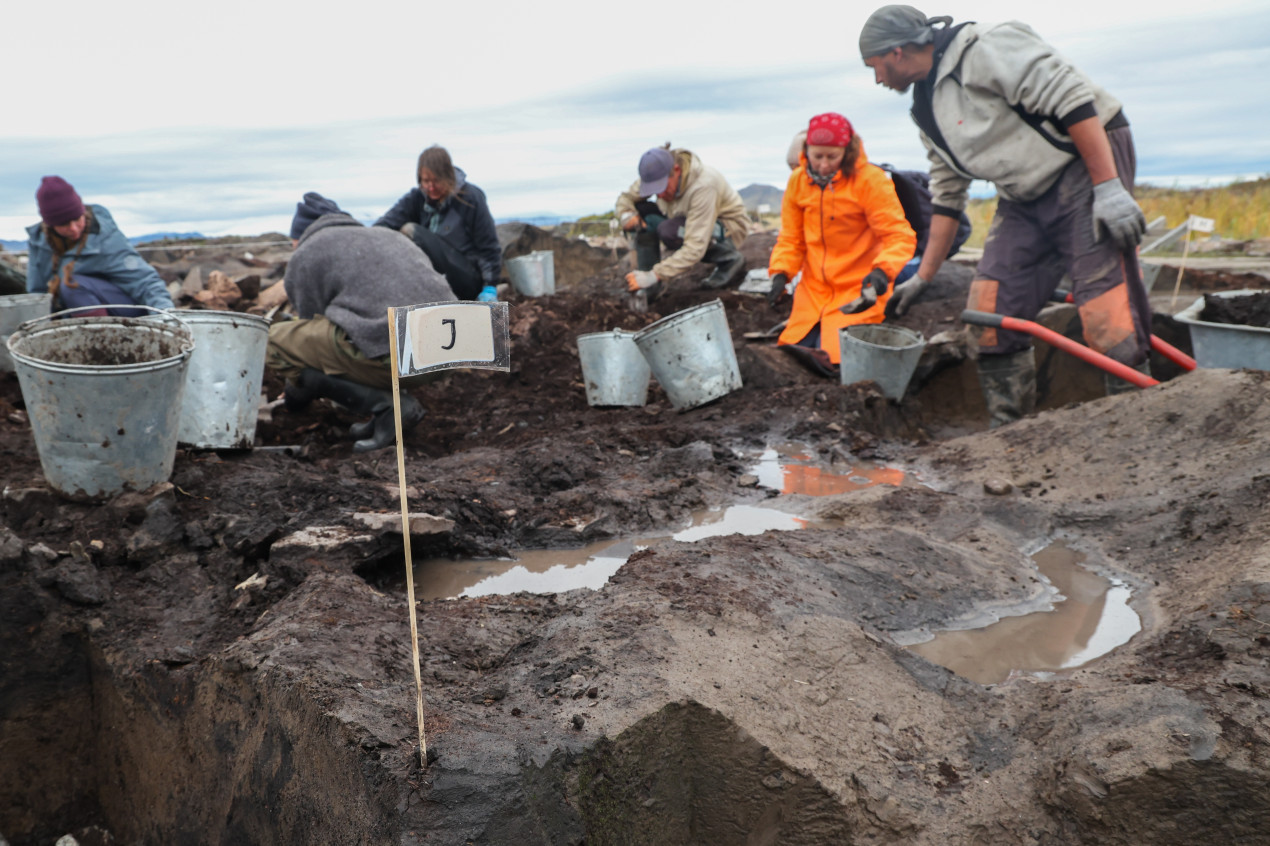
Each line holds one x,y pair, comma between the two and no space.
320,344
658,230
1031,245
460,272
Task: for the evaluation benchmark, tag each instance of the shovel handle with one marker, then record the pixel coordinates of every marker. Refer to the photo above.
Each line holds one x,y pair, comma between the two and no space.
1014,324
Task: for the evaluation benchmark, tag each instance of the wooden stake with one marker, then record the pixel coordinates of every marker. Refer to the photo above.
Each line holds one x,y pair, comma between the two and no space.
1186,248
405,536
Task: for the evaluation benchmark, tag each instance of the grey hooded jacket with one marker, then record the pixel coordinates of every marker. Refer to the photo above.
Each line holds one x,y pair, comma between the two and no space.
1002,99
353,274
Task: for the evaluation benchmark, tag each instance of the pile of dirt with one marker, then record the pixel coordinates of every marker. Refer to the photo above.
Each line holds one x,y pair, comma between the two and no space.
227,658
1247,310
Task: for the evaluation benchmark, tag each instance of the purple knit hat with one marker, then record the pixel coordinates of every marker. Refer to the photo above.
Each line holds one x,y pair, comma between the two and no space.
58,202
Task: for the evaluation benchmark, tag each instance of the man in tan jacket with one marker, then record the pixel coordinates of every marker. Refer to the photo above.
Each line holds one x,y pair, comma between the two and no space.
696,214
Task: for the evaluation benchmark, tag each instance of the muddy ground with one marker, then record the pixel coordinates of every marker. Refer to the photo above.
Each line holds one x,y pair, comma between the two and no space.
226,659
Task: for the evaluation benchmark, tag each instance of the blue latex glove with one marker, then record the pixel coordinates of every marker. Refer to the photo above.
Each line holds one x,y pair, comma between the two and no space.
488,294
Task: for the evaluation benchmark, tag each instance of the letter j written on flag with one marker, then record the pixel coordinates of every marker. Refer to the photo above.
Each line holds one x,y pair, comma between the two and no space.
437,336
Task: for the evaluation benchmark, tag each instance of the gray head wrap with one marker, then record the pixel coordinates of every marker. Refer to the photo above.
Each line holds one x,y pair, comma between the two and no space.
894,26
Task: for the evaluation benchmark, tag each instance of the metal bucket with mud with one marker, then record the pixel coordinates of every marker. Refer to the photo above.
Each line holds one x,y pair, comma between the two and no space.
222,385
691,354
16,309
103,395
1227,345
614,370
533,275
886,355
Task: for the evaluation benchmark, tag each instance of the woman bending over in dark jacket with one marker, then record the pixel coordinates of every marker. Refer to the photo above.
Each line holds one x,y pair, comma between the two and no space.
448,218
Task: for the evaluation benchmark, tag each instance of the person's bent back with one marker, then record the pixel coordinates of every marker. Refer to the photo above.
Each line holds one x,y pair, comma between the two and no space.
341,280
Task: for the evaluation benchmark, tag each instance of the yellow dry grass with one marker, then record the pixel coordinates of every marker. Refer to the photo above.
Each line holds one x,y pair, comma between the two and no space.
1241,210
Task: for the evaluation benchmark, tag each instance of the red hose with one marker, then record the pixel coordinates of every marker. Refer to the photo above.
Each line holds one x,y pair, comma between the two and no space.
1172,353
1097,359
1158,344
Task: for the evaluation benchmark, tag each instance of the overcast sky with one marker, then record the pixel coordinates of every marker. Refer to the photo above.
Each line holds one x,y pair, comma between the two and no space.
217,118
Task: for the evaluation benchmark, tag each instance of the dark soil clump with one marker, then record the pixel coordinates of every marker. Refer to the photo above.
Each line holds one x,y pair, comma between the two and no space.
1248,310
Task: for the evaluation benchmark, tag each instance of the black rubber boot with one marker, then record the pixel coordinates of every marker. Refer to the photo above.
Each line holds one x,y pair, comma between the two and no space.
298,395
1009,386
729,264
312,384
381,431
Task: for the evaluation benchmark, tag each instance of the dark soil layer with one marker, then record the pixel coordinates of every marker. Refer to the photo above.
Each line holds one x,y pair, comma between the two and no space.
1247,310
227,658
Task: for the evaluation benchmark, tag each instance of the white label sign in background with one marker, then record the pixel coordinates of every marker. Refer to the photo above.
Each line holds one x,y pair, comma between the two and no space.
1201,224
436,336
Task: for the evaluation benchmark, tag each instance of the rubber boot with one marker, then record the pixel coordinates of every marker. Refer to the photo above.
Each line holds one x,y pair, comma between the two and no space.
729,264
1009,386
298,395
382,429
1113,385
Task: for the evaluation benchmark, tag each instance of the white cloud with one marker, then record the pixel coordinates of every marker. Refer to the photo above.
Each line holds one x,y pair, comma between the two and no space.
219,119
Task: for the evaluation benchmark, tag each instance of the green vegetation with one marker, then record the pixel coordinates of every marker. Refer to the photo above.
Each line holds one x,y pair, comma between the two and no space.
1241,209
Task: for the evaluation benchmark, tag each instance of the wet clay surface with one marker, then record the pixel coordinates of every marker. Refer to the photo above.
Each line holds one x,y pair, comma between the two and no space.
227,658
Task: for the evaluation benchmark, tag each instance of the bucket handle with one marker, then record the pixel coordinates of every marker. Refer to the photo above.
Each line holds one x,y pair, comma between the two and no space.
162,312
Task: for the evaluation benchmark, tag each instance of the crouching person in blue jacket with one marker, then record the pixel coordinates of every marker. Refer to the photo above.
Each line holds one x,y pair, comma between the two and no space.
78,254
341,280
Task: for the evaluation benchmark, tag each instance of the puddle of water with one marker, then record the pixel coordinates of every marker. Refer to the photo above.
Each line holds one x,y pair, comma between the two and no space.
557,570
785,468
1091,617
793,472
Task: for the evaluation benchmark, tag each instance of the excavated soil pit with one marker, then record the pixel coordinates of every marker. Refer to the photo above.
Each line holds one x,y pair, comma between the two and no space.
788,469
225,660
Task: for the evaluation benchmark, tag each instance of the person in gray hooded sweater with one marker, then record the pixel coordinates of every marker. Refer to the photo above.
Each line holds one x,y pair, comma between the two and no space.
341,280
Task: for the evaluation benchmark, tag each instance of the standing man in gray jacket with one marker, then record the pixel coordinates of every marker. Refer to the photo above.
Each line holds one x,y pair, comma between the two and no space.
995,102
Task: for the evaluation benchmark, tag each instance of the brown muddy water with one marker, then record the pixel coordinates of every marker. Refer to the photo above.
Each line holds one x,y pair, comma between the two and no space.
1090,617
788,468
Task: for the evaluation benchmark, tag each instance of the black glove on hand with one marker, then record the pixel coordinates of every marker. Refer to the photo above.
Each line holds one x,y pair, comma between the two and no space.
777,292
878,279
872,286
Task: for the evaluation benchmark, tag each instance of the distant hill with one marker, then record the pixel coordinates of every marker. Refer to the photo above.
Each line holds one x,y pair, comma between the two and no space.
542,221
758,195
165,236
20,246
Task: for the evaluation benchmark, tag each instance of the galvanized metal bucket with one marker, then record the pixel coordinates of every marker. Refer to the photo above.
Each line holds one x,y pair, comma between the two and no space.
222,385
103,395
16,309
691,354
614,371
1226,345
533,275
884,354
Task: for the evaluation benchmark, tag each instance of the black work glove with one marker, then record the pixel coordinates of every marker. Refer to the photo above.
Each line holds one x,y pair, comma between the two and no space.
777,292
872,286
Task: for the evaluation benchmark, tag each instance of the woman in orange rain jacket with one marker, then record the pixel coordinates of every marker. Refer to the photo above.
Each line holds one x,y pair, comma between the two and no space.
843,226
